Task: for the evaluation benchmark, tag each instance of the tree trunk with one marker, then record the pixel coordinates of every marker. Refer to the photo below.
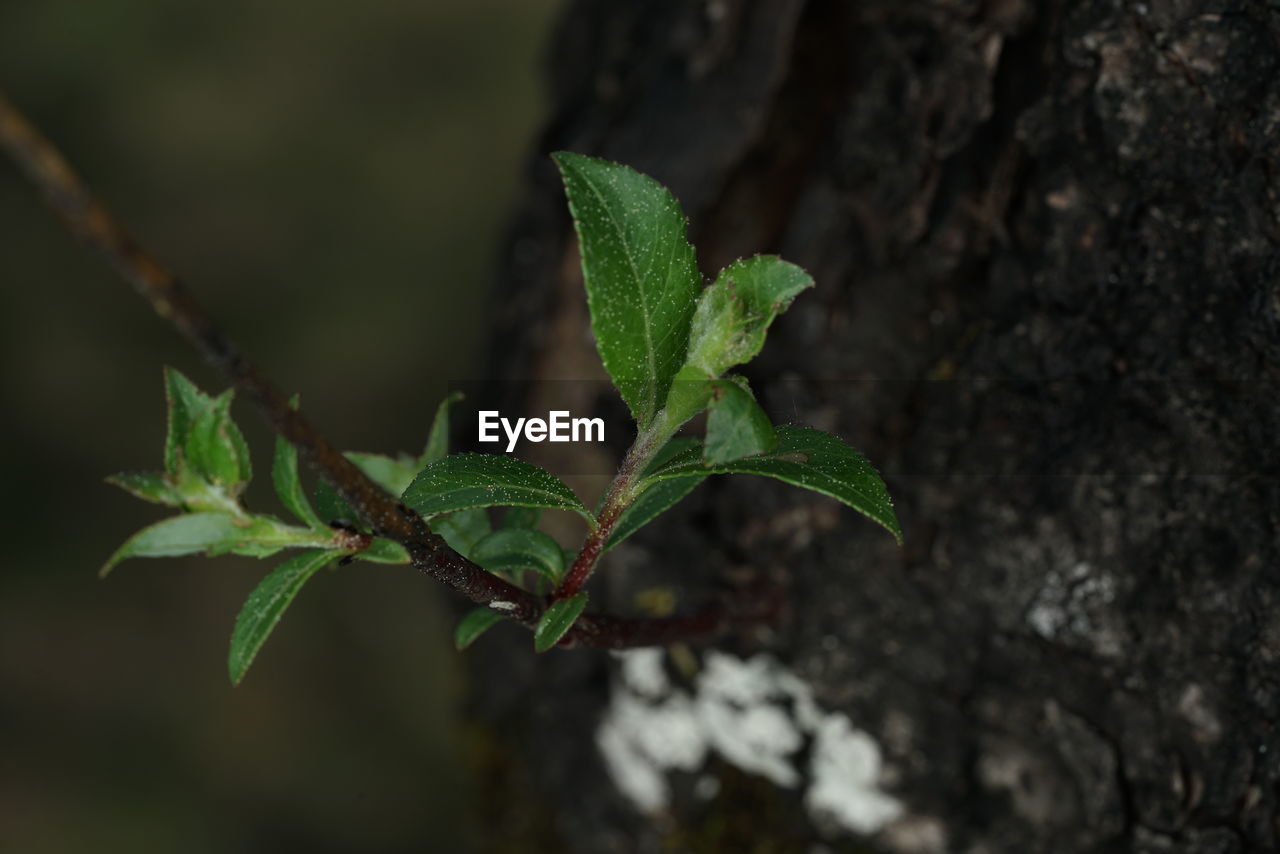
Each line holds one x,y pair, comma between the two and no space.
1045,239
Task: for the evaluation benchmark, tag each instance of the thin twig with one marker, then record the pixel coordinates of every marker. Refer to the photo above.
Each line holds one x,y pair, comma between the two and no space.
94,225
81,211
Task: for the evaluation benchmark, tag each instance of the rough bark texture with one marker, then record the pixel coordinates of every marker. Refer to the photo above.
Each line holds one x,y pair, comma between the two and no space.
1047,245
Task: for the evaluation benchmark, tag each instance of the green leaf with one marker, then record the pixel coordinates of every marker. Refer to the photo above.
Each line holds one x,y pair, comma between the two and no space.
392,474
384,551
513,549
522,517
558,619
263,535
639,272
284,476
676,448
185,402
486,480
179,535
474,624
690,394
215,448
736,425
150,486
808,458
265,605
657,497
332,507
462,529
249,548
735,311
438,440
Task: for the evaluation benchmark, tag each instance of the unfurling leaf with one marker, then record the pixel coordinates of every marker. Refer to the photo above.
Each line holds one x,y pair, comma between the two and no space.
736,425
150,486
487,480
474,624
734,311
514,549
558,619
185,402
216,449
808,458
639,272
265,605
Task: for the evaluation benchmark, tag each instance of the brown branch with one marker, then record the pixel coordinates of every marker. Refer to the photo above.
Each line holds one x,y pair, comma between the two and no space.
45,166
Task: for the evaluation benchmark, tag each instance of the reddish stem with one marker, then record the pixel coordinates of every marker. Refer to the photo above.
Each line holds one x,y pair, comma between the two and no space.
586,560
616,500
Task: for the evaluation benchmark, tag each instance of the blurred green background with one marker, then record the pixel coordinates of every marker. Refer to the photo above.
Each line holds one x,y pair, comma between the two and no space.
332,180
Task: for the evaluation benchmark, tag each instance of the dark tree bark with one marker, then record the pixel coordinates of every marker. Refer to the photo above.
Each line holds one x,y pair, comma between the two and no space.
1046,239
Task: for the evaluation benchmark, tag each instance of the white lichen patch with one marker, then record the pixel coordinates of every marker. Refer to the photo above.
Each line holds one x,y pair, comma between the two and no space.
846,768
641,741
643,672
637,776
756,715
756,738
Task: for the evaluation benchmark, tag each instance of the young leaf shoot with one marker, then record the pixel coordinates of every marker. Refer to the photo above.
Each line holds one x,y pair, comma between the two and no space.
666,341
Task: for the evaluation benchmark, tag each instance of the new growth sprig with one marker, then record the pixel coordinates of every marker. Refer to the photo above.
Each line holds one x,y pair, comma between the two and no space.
668,342
206,470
